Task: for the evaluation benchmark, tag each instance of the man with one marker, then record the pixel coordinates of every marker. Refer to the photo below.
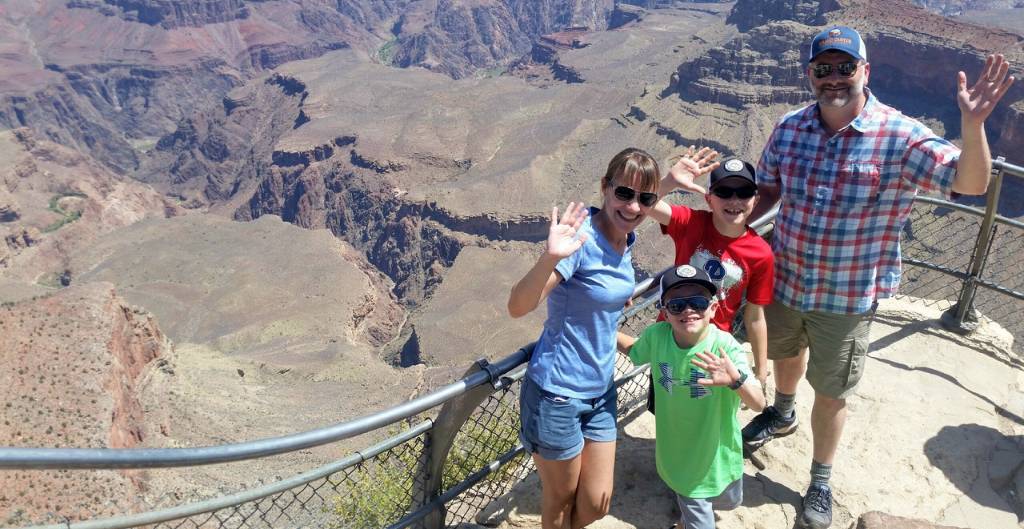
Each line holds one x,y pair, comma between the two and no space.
847,169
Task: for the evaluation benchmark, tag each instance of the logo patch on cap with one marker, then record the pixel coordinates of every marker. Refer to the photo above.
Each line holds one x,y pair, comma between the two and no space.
734,165
686,271
835,32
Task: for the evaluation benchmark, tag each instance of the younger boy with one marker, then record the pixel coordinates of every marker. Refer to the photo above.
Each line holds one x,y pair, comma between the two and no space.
701,376
718,241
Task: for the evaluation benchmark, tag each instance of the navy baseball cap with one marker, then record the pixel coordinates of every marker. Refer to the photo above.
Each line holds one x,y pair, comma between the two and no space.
733,167
685,274
839,38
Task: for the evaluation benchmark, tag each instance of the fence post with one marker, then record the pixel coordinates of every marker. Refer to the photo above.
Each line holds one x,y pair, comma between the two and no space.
449,421
961,317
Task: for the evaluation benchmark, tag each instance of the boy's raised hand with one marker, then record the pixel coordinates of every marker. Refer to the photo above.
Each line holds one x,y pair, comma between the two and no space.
692,165
719,367
562,239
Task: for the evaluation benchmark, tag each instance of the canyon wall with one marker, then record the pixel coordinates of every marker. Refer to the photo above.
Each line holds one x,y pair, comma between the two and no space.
915,56
75,366
169,13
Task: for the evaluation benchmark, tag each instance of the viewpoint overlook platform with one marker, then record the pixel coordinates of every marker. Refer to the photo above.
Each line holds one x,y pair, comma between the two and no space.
935,433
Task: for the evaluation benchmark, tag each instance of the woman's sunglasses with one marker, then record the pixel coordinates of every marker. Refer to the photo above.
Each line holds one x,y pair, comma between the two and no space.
726,193
627,194
845,69
678,305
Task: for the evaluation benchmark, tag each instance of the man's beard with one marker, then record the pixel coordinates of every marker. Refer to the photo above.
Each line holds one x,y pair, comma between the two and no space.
838,99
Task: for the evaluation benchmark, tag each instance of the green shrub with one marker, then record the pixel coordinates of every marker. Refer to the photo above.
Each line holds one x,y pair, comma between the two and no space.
378,493
386,53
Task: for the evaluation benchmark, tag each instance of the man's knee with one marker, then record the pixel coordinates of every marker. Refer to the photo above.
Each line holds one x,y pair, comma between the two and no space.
827,404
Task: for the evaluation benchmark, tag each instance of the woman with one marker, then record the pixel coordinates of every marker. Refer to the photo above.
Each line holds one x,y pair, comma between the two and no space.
567,403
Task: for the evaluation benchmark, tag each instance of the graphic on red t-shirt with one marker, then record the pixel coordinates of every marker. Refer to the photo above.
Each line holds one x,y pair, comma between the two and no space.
740,266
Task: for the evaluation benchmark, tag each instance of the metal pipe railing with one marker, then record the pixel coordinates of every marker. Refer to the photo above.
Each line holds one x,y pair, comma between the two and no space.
961,317
108,458
224,502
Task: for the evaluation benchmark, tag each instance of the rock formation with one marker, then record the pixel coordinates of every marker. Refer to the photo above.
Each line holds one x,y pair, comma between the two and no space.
959,7
76,365
763,67
168,13
58,201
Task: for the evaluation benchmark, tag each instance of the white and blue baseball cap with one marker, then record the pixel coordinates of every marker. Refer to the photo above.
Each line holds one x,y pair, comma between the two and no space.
685,274
839,38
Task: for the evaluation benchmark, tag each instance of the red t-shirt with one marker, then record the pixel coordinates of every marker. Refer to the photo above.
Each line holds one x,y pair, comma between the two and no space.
735,265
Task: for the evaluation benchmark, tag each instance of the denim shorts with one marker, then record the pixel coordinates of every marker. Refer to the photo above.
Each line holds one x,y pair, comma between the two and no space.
554,426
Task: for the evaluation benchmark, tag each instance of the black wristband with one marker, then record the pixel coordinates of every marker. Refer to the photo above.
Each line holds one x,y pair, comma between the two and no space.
739,382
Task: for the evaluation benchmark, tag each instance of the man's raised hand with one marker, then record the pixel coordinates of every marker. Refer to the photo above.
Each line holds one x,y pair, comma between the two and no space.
977,102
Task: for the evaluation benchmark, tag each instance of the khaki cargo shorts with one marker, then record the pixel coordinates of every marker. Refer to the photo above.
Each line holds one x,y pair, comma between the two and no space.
838,345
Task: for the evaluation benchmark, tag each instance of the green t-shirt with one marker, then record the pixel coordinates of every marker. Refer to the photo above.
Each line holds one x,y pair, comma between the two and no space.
697,436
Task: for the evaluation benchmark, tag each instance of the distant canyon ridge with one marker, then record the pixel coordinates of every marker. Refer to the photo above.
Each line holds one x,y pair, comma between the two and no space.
244,218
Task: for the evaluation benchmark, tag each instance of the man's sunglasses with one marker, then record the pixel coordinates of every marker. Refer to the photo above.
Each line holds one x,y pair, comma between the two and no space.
626,194
845,69
678,305
726,193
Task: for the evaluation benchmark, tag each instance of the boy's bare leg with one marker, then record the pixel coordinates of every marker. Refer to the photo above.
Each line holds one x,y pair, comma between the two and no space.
828,417
559,480
597,475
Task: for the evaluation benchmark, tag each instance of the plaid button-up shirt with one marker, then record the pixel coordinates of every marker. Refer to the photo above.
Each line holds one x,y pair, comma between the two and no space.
845,198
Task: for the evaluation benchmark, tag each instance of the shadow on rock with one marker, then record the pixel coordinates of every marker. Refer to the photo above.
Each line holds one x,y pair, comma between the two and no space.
983,463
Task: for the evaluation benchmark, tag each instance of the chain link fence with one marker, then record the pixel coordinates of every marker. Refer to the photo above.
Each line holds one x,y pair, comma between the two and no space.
937,242
1005,269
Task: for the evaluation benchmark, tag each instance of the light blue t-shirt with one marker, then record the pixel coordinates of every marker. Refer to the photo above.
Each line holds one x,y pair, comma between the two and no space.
575,355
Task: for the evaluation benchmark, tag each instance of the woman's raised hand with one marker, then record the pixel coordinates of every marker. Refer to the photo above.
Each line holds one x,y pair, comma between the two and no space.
692,164
563,239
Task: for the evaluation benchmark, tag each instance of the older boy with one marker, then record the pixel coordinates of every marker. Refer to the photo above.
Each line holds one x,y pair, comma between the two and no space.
702,375
718,241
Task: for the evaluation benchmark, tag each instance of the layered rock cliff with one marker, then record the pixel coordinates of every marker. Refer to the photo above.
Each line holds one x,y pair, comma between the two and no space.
57,202
911,52
215,153
403,240
76,364
457,38
748,14
169,13
959,7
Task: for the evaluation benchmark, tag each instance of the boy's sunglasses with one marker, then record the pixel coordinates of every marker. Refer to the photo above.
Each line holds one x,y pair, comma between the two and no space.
845,69
724,192
678,305
626,194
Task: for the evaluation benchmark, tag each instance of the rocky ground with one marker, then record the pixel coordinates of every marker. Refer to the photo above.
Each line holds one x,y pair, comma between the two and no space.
935,434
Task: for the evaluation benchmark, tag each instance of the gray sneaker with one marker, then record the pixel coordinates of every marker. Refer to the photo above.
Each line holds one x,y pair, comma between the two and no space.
816,510
768,425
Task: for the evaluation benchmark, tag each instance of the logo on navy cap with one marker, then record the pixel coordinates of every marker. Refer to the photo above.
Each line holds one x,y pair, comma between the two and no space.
686,271
734,165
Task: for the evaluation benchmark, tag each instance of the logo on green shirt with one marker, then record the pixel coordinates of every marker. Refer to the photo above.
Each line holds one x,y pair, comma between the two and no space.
668,382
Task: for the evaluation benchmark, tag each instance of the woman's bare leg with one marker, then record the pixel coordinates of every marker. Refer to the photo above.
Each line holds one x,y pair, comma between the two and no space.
596,479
